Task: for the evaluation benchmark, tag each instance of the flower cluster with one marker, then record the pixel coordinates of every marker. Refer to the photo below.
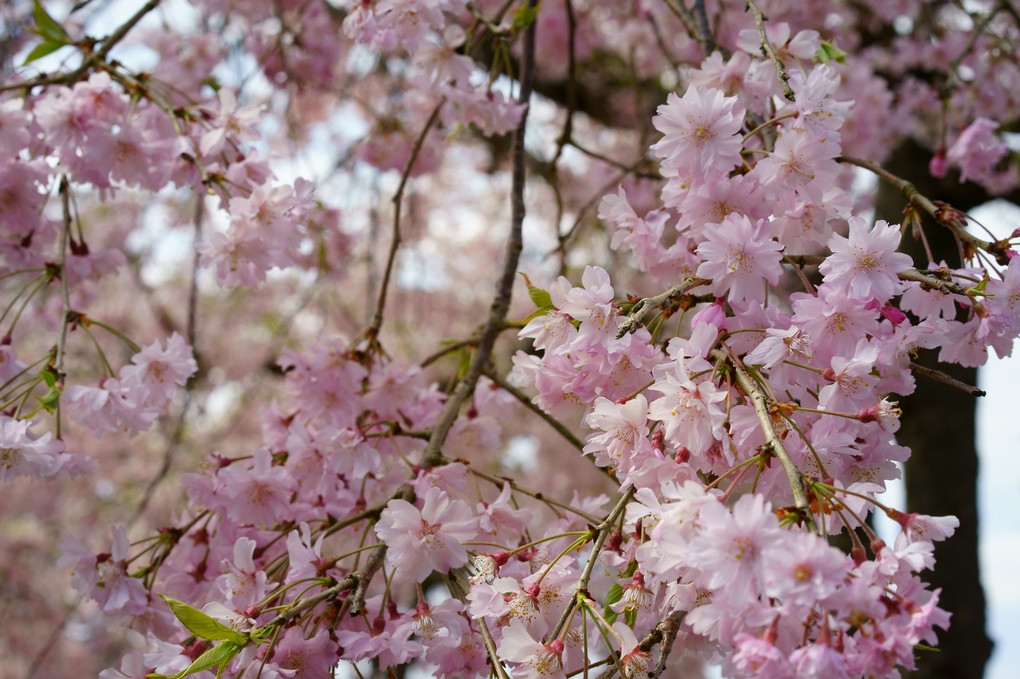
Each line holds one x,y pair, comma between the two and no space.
737,411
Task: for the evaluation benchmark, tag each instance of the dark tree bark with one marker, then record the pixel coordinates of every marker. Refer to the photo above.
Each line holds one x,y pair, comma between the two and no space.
939,425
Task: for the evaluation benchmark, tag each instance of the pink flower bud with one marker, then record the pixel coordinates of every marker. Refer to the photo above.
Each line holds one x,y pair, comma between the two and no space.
938,166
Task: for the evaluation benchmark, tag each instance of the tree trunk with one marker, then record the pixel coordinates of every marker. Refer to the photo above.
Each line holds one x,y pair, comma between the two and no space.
938,424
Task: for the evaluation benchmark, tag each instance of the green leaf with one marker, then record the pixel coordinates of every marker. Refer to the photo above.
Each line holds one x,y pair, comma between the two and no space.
614,594
49,378
980,287
46,27
201,625
41,50
534,314
463,363
217,655
49,400
829,52
630,617
524,17
541,298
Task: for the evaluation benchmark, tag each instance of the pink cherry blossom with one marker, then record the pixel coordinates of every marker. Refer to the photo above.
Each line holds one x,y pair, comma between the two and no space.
867,262
977,149
739,256
428,539
700,131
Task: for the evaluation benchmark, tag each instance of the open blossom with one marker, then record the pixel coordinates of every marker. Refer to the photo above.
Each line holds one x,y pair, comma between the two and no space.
691,413
259,494
23,453
537,659
623,427
243,584
429,539
867,261
738,256
701,131
160,371
104,577
977,149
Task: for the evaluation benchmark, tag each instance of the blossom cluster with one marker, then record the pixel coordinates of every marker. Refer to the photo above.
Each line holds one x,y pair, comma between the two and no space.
737,418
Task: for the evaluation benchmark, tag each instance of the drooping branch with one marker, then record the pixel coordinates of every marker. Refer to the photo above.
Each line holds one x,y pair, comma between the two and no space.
398,200
527,402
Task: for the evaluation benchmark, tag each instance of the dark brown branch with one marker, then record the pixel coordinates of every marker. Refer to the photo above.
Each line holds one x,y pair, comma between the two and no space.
696,23
945,378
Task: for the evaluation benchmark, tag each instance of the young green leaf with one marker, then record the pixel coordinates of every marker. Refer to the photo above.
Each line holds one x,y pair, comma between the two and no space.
47,28
523,17
41,50
630,617
49,400
614,594
217,655
201,625
829,52
541,298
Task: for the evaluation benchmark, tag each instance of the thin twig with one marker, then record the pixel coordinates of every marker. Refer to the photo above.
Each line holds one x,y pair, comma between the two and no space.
945,378
954,65
398,200
568,124
65,234
697,27
65,295
178,433
602,533
91,60
769,51
52,639
350,582
517,488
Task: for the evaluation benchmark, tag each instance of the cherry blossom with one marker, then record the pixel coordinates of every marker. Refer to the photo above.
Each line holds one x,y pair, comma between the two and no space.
429,539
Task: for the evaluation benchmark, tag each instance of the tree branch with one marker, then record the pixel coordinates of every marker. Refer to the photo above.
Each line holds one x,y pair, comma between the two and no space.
643,307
